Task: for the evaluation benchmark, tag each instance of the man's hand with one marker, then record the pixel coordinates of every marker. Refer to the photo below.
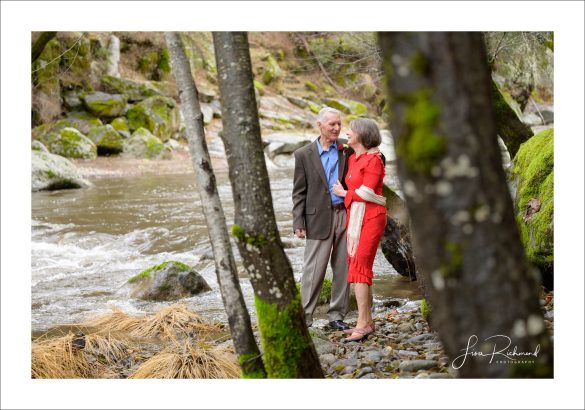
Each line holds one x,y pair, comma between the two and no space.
300,233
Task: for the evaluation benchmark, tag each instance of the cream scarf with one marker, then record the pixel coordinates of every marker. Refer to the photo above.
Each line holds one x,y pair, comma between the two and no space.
356,218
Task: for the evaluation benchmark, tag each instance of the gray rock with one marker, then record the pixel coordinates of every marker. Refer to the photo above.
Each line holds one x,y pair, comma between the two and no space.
416,365
369,376
299,102
50,172
405,327
549,315
432,356
421,338
143,144
371,356
107,139
324,346
440,376
70,143
168,281
38,146
159,115
327,359
282,143
364,371
407,353
105,105
72,100
207,111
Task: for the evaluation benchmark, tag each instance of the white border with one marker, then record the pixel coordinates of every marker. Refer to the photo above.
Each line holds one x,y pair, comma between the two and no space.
19,19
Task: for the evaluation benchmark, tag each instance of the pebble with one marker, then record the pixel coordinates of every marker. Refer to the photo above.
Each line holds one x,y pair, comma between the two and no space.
364,371
407,353
415,365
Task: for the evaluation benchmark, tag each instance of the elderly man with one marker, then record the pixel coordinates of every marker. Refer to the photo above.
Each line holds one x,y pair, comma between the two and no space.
320,216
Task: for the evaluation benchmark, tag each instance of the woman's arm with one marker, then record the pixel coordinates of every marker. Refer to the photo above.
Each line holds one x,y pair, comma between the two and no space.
373,174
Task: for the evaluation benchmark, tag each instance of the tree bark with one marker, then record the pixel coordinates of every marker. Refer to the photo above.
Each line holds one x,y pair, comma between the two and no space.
40,43
509,127
225,266
288,348
465,236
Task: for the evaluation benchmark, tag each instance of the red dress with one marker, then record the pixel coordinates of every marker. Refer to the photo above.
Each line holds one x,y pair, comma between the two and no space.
367,170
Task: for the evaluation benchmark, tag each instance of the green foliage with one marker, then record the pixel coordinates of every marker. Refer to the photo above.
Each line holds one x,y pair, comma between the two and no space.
283,342
425,309
534,170
324,295
181,267
421,146
164,65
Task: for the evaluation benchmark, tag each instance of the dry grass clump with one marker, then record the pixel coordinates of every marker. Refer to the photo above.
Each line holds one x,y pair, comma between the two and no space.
190,361
174,322
77,356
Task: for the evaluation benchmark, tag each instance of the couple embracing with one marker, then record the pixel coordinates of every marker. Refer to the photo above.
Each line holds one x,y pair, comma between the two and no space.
339,208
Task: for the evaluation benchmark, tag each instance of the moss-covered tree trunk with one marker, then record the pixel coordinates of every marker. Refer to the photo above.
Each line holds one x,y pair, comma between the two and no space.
287,345
481,287
40,43
509,127
225,266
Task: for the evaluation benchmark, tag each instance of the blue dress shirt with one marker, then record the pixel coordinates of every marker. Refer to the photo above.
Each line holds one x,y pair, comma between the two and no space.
329,159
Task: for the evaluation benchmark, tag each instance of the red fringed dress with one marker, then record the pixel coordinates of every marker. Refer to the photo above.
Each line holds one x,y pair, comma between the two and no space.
366,170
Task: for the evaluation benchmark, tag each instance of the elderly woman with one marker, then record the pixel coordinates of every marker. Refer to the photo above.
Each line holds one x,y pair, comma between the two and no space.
366,217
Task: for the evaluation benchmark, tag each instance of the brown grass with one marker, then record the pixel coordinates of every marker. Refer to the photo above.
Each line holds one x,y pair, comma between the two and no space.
190,361
174,322
77,356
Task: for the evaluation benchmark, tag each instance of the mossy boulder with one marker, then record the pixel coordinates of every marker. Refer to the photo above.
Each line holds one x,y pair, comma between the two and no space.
272,71
105,105
38,146
107,139
142,144
51,172
170,280
80,120
159,115
70,143
133,90
120,124
347,106
533,172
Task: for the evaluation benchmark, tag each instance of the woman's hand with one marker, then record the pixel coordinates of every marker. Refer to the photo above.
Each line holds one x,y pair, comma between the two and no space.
338,189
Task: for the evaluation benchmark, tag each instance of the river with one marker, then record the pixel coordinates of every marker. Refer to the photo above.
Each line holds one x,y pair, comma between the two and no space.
86,243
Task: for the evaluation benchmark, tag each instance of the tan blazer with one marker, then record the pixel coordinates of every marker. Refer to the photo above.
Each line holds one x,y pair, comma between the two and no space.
311,198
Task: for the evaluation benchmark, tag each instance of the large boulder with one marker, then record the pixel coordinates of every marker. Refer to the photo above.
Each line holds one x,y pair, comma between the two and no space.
533,174
347,106
277,112
80,120
159,115
69,143
50,172
107,139
120,124
133,90
143,144
168,281
105,105
278,144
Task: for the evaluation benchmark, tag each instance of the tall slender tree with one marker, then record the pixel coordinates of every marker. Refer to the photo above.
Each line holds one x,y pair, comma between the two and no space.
288,348
481,287
225,266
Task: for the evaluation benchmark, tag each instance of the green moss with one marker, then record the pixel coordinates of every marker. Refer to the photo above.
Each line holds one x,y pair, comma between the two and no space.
425,309
315,107
421,146
51,174
534,171
164,64
179,266
283,342
260,87
324,295
419,63
272,71
240,234
247,360
309,85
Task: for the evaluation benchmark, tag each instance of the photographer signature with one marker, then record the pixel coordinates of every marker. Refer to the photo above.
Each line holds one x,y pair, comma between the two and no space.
503,352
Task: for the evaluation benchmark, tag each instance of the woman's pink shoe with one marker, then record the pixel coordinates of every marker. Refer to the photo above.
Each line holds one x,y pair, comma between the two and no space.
360,335
371,327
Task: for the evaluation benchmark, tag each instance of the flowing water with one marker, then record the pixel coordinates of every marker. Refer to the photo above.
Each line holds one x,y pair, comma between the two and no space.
87,243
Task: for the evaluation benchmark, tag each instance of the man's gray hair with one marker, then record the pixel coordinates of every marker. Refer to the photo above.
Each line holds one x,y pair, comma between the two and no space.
326,110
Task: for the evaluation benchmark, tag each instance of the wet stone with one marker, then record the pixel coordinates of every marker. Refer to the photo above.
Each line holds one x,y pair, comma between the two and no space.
415,365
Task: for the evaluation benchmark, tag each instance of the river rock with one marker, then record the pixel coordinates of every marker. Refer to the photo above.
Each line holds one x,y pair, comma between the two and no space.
159,115
72,99
69,143
416,365
143,144
324,346
120,124
81,121
327,359
168,281
51,172
278,111
108,140
279,144
102,104
133,90
38,146
421,338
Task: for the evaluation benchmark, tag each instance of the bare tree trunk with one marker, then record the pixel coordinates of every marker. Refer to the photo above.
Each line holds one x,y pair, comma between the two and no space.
288,348
465,236
40,43
225,266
